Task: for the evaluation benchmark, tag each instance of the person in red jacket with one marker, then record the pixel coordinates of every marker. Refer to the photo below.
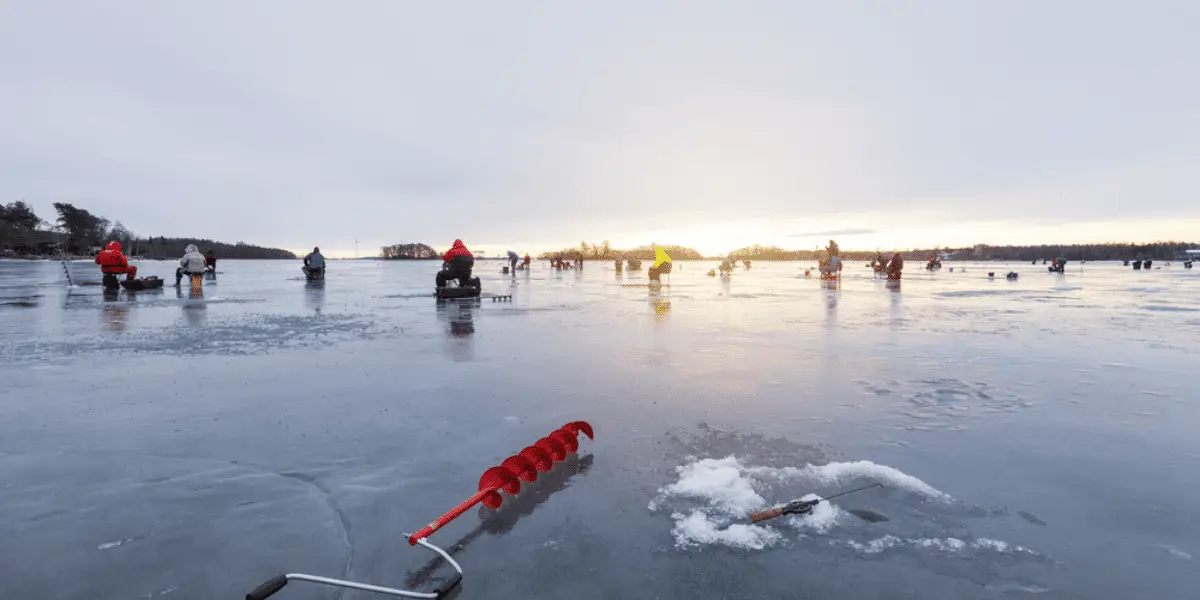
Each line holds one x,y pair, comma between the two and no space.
458,264
113,262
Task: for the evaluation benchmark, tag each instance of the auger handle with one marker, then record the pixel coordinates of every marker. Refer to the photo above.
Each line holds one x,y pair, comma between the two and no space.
764,515
446,588
269,587
441,521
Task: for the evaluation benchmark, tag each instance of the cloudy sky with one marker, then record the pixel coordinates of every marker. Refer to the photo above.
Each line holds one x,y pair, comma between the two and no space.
532,125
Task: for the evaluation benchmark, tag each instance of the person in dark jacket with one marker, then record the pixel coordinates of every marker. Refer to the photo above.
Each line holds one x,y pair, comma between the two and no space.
210,261
457,264
513,259
314,265
895,267
113,262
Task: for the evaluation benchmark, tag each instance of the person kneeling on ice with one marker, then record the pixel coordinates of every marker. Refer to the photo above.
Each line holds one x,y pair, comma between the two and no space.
192,263
457,264
210,261
314,265
113,262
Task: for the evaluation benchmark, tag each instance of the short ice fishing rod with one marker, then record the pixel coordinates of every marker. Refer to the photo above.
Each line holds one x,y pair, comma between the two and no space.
803,507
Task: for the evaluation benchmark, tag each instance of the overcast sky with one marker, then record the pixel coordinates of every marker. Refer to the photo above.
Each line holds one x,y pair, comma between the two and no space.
531,125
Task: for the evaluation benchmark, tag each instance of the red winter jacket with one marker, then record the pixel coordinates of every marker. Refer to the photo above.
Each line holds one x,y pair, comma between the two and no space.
458,249
111,260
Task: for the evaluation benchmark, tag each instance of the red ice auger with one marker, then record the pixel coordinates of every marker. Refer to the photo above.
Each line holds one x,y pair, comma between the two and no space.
523,466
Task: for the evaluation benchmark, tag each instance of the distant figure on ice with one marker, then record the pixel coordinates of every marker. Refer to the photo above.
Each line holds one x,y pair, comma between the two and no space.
527,261
192,263
895,267
314,265
513,259
113,262
662,264
210,261
831,267
457,263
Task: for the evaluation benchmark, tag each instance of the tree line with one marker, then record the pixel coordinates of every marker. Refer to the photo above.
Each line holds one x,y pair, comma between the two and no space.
78,232
1166,250
605,251
414,251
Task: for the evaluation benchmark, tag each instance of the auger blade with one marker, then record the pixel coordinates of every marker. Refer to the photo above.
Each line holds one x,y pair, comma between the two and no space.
577,426
539,457
492,499
557,451
522,466
565,438
499,478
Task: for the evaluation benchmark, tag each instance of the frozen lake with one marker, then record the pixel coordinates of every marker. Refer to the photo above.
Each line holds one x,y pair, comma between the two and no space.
1037,438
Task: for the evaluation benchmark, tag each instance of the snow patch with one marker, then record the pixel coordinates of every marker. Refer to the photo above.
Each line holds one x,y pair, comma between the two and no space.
726,494
111,545
841,473
720,483
1175,552
946,545
698,528
823,517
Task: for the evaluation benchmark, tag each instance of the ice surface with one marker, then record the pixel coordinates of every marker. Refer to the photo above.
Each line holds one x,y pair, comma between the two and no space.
267,425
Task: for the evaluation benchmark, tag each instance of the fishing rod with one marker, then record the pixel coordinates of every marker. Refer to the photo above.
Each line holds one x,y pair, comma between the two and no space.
803,507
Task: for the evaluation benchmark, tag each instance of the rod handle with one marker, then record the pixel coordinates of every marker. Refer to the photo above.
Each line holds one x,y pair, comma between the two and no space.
268,588
766,514
447,587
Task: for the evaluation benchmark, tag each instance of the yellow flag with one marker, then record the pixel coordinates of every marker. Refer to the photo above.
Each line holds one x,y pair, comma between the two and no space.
660,256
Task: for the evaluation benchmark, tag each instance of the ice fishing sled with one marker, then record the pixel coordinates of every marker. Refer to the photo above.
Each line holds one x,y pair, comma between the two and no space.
452,291
133,285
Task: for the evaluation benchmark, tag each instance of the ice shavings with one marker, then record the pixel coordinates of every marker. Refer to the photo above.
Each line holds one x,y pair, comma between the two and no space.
720,482
842,473
725,493
823,516
698,528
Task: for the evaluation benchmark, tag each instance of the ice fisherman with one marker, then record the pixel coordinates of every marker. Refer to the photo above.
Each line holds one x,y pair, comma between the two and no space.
314,265
192,263
113,262
457,263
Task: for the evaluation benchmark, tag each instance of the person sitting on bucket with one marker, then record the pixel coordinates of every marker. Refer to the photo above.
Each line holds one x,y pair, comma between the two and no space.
457,264
662,264
527,261
192,263
314,264
113,262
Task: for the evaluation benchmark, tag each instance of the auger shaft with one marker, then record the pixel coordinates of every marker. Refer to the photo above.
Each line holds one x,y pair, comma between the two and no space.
439,522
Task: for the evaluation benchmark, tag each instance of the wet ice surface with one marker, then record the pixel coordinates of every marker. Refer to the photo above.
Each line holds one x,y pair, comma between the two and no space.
1035,437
